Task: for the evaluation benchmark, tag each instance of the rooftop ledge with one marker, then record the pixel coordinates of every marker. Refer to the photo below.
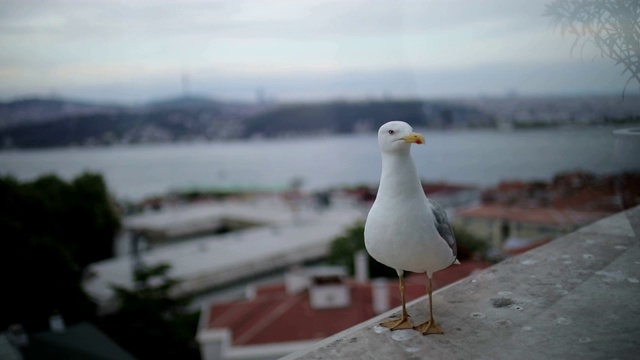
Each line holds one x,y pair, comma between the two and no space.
575,298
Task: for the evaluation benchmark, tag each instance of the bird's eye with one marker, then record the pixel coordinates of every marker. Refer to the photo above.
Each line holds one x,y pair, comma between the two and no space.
391,132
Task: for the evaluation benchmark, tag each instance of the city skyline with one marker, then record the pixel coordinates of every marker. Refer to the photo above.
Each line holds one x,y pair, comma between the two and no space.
110,51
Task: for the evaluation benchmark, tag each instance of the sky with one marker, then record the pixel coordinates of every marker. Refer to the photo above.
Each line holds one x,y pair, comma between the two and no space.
288,50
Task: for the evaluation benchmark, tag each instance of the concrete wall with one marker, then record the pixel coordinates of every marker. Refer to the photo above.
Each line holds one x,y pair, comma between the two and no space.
573,298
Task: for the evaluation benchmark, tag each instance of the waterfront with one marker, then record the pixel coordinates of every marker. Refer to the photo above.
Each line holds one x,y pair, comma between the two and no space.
477,157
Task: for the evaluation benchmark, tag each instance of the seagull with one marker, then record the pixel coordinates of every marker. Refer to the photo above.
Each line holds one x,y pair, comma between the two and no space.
404,229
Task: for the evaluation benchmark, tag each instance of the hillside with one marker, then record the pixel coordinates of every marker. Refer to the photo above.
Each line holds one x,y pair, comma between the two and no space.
190,119
33,111
347,117
52,123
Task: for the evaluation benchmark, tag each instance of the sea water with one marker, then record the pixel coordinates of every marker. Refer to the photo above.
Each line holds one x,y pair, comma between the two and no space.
474,157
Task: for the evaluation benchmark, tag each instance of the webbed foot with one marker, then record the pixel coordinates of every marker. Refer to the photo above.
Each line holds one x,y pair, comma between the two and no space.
429,327
398,324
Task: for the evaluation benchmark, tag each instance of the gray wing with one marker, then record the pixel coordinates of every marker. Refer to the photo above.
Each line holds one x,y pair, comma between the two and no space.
443,226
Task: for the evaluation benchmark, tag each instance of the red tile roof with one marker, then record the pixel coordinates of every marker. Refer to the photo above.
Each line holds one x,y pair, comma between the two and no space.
275,316
578,190
430,188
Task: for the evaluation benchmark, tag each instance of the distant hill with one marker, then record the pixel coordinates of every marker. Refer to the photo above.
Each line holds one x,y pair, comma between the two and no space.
47,123
348,117
29,111
161,122
200,118
184,102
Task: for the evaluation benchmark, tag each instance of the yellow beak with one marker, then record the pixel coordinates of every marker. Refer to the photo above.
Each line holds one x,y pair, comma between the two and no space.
414,138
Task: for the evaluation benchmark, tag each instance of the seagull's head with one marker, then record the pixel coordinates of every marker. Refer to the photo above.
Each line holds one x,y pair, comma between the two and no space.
397,137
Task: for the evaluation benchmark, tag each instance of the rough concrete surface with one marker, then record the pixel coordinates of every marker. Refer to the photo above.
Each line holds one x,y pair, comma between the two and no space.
577,297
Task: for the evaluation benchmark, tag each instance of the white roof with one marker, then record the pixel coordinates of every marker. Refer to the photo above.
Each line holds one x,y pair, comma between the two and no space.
209,261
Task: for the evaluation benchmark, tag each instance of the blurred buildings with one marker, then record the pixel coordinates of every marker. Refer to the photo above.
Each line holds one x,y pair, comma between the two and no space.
516,212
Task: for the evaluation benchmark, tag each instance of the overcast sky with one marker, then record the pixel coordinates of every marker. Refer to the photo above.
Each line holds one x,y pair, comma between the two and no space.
133,51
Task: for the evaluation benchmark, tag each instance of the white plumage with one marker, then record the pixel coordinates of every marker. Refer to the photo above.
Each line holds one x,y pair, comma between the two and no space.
404,229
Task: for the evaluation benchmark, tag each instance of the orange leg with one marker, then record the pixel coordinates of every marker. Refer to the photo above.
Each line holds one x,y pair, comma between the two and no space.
404,322
430,327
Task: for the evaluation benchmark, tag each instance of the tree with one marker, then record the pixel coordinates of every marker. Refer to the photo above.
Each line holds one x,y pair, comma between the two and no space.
344,247
94,213
51,230
150,323
470,245
612,25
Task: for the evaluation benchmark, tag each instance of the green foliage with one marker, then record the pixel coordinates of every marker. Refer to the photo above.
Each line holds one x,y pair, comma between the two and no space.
470,245
51,230
149,322
344,247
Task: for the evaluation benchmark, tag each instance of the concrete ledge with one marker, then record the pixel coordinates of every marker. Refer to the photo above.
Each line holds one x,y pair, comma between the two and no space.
574,298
